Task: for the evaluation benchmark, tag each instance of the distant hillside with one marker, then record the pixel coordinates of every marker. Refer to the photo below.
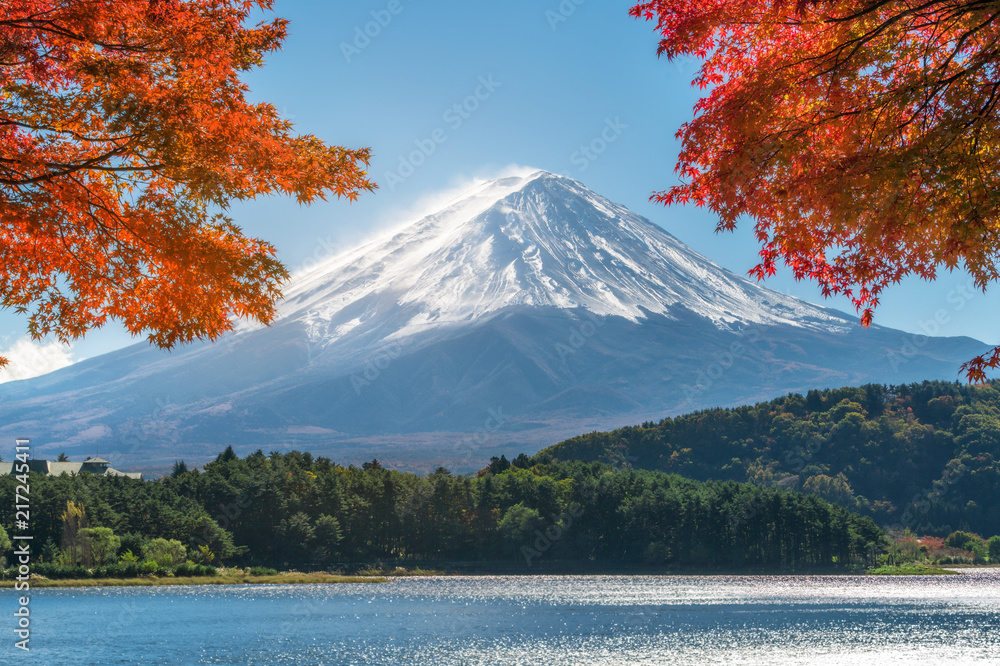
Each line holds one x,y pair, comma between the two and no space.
923,456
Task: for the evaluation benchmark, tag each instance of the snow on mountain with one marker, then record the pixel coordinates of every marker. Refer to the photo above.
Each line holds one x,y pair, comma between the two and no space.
537,240
526,310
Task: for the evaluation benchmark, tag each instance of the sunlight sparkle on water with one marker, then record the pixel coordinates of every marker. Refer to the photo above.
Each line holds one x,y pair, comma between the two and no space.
533,620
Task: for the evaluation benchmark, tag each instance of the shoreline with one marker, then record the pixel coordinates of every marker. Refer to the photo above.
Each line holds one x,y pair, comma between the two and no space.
372,575
161,581
907,570
337,579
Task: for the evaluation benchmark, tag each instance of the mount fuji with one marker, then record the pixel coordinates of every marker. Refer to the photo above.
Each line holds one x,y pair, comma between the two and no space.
527,310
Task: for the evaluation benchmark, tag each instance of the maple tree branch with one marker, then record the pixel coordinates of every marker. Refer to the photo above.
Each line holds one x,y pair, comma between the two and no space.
879,4
95,200
93,164
50,26
849,49
68,132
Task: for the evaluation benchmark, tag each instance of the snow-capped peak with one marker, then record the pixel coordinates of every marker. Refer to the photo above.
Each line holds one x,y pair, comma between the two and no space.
530,240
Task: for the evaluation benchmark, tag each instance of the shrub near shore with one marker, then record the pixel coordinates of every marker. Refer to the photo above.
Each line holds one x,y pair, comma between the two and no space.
958,548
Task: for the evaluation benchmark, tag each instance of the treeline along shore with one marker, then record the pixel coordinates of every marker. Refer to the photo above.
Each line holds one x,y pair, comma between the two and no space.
296,511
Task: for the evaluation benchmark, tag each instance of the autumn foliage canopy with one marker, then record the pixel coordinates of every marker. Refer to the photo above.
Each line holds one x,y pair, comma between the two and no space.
124,135
861,137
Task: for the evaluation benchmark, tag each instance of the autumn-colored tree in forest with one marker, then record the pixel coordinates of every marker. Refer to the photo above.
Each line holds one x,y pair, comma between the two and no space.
74,519
861,137
124,135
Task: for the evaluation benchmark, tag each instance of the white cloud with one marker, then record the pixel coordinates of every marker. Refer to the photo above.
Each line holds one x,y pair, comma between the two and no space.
31,359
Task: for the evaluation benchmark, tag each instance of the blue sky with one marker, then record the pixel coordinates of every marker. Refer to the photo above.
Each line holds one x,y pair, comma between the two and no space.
446,91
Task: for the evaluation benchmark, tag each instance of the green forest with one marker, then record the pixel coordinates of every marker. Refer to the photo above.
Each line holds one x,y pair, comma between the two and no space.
797,483
295,510
924,457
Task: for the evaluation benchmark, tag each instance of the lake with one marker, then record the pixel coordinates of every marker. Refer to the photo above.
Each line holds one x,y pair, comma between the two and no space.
528,620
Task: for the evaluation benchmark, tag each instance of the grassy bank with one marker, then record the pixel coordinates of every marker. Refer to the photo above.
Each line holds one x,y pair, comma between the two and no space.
396,571
291,578
543,567
910,570
382,574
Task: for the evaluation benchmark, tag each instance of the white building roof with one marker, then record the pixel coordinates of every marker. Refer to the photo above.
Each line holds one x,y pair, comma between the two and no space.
55,468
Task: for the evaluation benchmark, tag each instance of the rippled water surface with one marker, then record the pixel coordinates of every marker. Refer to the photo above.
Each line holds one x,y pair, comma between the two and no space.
530,620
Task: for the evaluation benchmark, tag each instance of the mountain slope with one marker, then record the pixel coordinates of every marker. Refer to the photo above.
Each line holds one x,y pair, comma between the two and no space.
525,311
